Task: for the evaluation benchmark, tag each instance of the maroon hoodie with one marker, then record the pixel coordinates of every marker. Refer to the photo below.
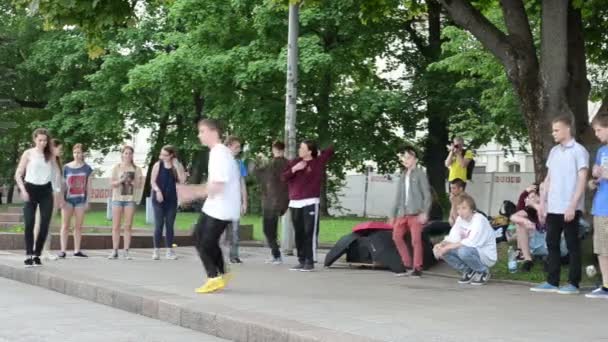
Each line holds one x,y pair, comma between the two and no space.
306,183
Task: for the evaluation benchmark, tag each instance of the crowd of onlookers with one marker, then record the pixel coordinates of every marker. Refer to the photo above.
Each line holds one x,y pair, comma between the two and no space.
546,218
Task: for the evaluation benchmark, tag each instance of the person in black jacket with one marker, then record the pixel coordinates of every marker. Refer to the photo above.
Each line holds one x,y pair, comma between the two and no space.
275,197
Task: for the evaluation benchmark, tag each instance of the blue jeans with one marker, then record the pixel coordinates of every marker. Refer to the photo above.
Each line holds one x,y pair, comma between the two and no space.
164,216
465,259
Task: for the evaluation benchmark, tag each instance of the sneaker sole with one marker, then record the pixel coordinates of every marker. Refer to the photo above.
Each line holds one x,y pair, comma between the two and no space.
543,290
306,270
28,266
568,293
588,295
477,284
463,282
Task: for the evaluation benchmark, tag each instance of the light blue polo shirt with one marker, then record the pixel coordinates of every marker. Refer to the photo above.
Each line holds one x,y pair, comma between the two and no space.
563,164
600,201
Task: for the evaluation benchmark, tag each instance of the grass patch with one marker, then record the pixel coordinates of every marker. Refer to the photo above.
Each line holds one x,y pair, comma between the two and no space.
332,229
537,274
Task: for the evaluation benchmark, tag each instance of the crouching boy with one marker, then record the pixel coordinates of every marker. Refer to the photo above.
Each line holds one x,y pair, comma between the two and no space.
470,248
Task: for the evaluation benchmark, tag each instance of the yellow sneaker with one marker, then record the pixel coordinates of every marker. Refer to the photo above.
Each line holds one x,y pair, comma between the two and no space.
212,285
227,277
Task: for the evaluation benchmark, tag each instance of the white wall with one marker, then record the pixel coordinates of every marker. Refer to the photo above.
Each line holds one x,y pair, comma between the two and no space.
488,189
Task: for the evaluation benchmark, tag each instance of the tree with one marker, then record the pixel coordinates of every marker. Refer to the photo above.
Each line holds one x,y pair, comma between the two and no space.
549,80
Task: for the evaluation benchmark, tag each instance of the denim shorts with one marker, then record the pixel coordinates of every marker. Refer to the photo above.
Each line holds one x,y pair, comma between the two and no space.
537,243
123,204
75,203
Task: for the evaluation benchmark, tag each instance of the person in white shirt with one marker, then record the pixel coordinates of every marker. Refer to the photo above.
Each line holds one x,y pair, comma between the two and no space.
222,206
36,176
470,248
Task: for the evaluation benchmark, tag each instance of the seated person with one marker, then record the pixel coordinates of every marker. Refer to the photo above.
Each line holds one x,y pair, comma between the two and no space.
470,248
531,234
435,228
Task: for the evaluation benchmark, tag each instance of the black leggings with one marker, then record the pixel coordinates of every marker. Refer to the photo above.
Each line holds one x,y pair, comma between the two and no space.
207,233
271,225
306,226
40,195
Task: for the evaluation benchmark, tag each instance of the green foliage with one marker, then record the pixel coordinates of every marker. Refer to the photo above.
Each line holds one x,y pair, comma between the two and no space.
494,113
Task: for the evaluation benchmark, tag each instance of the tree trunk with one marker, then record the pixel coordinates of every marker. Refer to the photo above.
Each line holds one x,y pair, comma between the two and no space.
11,183
558,86
158,144
437,135
200,158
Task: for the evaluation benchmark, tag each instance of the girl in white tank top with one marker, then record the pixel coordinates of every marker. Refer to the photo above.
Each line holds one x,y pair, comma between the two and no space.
37,176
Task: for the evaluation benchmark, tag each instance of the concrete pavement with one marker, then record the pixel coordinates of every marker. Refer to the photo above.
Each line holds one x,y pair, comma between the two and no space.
270,303
30,313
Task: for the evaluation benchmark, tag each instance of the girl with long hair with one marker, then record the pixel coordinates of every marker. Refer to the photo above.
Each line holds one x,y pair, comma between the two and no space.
37,177
127,182
167,172
77,180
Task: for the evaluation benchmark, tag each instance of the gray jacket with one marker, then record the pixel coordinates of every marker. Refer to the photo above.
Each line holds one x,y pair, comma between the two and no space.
419,195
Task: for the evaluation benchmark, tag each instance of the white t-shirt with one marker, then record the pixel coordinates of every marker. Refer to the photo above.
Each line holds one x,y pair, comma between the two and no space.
563,165
225,205
477,233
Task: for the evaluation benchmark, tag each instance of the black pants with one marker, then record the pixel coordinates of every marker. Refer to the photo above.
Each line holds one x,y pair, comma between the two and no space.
207,233
271,227
555,226
40,195
306,226
164,216
437,228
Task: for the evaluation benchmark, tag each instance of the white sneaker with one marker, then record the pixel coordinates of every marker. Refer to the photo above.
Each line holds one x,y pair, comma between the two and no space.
155,255
49,256
171,255
274,261
113,255
125,254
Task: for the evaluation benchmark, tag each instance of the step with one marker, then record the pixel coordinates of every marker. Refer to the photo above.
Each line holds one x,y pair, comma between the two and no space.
4,217
4,225
13,210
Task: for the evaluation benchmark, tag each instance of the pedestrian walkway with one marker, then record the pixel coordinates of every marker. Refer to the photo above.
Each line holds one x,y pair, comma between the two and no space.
266,302
30,313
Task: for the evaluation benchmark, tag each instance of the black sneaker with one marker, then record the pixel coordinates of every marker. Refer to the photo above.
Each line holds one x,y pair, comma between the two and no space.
236,260
416,274
297,267
61,255
526,266
29,262
308,268
466,277
80,255
480,278
37,261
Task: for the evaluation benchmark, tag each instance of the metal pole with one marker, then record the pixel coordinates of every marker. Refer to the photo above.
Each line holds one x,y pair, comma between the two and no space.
287,240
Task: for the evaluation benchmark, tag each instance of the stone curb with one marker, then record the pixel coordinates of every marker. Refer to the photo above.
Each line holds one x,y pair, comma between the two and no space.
221,321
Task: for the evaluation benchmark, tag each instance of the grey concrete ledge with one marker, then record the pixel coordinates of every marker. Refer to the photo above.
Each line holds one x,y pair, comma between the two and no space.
216,320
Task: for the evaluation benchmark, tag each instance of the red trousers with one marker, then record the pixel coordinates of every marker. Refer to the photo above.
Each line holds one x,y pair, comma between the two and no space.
401,227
